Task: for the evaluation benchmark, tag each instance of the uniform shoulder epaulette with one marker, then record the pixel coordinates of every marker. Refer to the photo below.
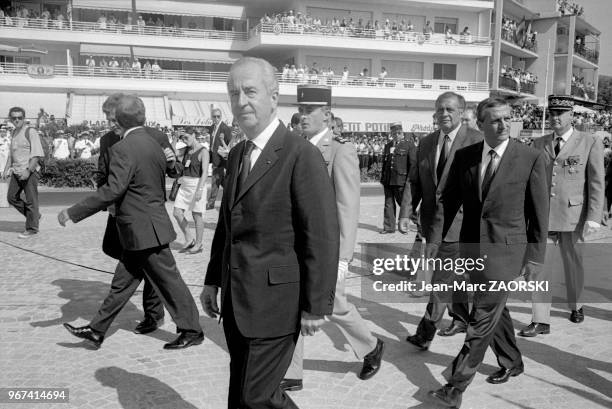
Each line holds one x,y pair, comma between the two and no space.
341,139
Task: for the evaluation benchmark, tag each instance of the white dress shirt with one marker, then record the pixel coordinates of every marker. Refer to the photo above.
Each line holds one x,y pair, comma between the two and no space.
485,158
315,139
262,139
564,138
451,136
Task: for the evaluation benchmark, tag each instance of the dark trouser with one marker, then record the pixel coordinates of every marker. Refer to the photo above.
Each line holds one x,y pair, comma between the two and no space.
490,325
393,195
29,206
257,366
158,265
455,301
218,174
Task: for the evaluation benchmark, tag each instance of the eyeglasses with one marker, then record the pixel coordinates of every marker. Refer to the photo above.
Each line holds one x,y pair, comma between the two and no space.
216,116
16,118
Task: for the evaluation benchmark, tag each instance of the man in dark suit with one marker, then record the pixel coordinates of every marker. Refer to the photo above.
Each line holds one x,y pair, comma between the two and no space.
399,157
434,156
220,139
502,187
151,303
136,188
275,249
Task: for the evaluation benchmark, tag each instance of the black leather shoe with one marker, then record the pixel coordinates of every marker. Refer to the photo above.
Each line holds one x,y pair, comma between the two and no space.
504,374
448,396
185,340
147,325
577,316
371,362
534,329
86,333
418,342
454,329
291,385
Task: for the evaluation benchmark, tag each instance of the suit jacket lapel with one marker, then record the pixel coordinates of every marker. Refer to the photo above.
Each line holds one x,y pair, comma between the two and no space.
504,167
265,161
432,157
475,176
324,146
549,146
236,170
457,144
571,143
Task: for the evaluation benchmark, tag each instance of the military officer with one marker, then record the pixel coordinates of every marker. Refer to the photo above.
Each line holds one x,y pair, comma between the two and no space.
575,172
343,168
399,156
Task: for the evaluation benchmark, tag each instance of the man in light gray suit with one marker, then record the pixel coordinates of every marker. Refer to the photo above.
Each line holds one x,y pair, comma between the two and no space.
575,172
343,168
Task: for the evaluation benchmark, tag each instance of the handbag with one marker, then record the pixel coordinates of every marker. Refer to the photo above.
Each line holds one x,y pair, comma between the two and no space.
176,184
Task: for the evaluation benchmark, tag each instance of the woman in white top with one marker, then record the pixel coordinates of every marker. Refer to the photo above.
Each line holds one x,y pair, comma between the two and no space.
60,147
192,193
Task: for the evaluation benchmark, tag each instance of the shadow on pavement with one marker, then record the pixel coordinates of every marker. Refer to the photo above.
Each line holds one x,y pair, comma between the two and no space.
136,391
85,298
370,227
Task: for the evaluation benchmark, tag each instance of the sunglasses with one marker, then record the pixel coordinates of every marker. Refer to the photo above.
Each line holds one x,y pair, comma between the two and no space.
16,118
216,116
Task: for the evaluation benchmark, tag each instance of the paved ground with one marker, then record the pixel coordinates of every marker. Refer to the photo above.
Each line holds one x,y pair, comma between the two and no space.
61,276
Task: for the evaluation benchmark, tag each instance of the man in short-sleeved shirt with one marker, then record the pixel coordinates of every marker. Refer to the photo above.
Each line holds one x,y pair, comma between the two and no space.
23,163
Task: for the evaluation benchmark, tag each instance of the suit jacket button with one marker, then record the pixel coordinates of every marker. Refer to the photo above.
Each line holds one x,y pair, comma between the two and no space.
553,184
553,195
554,174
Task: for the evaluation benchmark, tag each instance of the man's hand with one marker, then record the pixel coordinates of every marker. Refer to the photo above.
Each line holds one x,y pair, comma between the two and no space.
170,155
208,297
590,227
25,175
62,217
403,224
531,271
198,195
431,250
223,149
311,323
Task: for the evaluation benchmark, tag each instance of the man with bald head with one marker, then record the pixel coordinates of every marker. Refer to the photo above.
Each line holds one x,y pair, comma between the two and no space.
275,249
220,139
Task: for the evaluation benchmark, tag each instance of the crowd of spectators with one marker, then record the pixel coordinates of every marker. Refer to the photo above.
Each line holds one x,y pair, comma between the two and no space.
521,80
21,16
402,30
122,67
531,115
516,33
304,74
567,8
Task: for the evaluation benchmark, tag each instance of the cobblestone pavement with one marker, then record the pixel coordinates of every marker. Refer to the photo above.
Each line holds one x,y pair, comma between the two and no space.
47,285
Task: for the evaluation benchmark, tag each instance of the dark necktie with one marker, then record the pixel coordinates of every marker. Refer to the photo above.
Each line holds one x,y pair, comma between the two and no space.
558,146
246,165
489,173
442,157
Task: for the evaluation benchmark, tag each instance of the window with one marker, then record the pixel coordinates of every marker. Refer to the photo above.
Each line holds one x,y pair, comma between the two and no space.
441,23
445,72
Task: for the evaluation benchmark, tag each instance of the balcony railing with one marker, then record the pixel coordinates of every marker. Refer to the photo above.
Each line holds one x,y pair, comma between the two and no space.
345,32
520,86
587,53
123,29
208,76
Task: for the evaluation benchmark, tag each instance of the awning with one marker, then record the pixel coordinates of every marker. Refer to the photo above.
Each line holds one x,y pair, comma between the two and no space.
191,8
166,54
197,113
181,8
374,120
116,5
89,108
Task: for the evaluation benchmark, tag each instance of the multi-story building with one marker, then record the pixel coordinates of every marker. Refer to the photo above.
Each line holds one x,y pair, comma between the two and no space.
539,49
426,46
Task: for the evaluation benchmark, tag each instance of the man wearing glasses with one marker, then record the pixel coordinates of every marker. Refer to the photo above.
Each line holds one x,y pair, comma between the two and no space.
23,162
220,139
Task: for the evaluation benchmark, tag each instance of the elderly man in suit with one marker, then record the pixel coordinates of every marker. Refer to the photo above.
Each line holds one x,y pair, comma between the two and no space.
111,245
275,249
220,139
575,173
430,174
399,156
502,187
136,187
343,168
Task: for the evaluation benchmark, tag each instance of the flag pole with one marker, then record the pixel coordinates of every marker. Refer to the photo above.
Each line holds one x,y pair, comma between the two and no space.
545,90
